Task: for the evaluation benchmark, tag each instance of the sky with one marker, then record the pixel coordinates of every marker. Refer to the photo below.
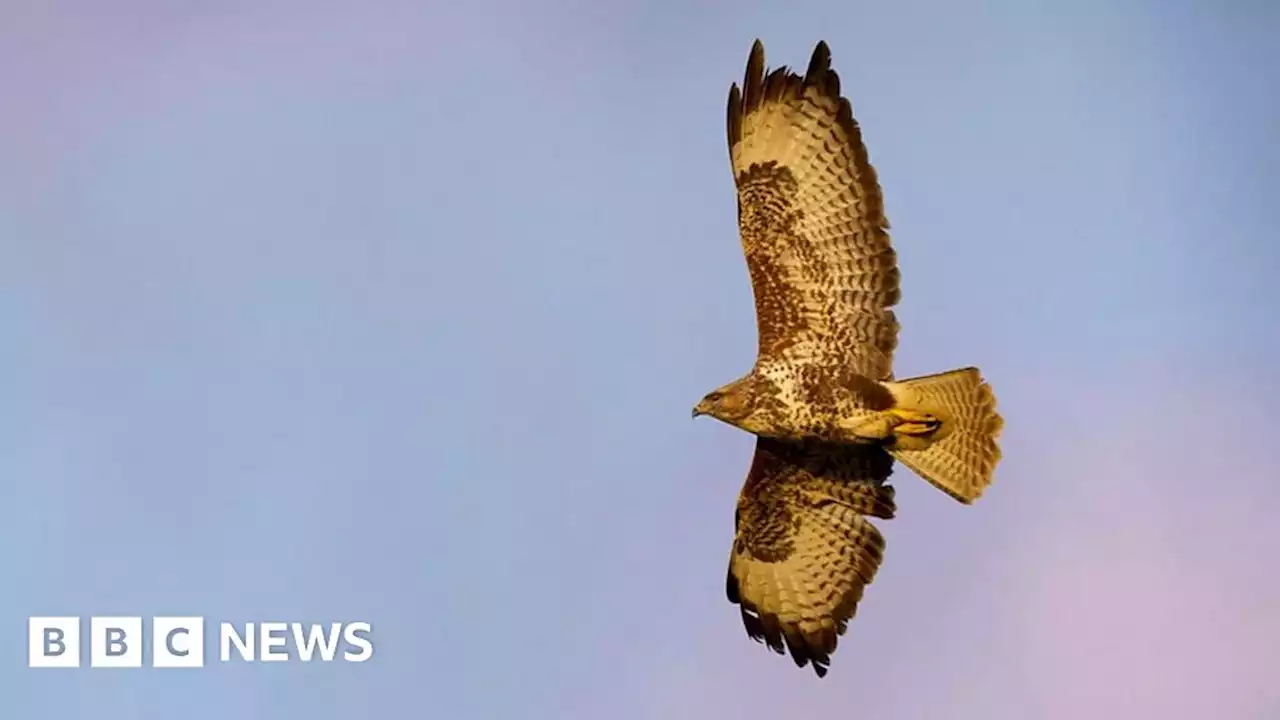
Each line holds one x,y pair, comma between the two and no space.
395,312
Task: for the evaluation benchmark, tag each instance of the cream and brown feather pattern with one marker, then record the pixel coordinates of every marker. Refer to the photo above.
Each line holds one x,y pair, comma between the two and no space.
811,219
804,549
829,416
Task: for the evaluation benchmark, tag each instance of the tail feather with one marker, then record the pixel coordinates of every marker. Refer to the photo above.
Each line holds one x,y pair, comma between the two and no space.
962,455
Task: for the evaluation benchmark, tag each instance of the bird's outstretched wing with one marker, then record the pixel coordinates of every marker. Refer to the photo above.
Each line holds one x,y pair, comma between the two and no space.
803,549
811,218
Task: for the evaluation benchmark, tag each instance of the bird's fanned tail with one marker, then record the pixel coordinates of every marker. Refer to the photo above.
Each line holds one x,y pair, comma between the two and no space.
961,456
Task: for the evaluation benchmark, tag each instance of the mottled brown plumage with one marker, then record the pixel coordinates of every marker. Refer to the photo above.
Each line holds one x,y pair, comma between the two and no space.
822,399
815,236
804,549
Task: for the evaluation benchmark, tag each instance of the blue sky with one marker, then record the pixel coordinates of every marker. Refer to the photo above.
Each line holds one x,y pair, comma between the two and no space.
342,311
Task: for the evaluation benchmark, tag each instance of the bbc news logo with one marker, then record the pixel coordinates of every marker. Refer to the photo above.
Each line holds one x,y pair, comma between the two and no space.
178,642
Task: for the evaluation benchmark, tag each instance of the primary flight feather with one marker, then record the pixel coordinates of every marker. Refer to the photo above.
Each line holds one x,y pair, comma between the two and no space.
821,398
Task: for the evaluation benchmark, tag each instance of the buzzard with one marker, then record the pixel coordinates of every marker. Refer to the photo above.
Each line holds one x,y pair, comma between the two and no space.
828,415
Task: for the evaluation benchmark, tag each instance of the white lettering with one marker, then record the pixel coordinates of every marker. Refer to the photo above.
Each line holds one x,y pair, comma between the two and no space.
316,636
273,637
228,637
353,638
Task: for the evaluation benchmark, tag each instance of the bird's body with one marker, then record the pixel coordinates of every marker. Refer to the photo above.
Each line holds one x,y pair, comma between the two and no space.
802,400
829,417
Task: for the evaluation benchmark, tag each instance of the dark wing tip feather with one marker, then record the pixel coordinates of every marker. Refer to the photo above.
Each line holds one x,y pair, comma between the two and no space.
844,114
734,120
753,80
775,85
804,648
886,507
797,644
741,102
751,621
772,632
759,86
819,64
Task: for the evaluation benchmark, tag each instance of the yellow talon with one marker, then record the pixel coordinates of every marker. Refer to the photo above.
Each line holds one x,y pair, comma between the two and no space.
895,422
912,428
910,417
916,429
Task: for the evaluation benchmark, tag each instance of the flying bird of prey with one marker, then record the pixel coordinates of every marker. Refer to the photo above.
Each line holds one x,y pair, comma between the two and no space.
829,417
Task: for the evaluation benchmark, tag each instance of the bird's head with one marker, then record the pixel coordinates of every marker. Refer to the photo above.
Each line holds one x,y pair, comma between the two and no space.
734,404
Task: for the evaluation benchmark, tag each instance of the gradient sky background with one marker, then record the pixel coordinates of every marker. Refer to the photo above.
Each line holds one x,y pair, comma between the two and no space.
396,311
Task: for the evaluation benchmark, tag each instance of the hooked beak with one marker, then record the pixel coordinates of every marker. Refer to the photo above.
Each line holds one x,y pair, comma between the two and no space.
697,410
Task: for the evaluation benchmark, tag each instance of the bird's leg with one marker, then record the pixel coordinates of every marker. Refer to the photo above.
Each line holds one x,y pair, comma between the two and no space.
913,422
896,422
877,426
